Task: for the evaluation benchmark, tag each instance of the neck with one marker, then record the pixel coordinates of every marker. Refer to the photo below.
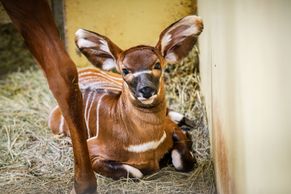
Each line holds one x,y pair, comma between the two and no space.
132,112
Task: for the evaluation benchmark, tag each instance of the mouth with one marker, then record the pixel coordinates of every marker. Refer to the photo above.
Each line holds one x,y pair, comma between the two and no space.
147,100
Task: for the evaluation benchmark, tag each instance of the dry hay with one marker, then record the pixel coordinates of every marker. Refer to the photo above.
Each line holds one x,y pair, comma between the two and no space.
33,161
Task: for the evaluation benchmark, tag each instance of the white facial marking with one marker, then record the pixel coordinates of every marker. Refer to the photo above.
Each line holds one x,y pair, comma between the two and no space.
86,108
151,145
97,114
133,171
147,100
96,86
175,116
176,160
141,72
108,64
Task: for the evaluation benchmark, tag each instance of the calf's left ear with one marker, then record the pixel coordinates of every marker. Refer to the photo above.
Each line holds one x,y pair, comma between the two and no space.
98,49
177,40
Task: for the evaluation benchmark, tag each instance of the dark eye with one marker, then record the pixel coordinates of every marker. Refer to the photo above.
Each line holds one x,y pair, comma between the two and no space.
157,66
125,71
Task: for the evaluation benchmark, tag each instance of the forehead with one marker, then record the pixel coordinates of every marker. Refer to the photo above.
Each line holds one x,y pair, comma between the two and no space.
140,57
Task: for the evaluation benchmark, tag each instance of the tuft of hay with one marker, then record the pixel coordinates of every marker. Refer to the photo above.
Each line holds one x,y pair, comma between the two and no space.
33,161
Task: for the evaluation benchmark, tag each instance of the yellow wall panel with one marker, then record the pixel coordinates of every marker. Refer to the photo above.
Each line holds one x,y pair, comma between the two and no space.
125,22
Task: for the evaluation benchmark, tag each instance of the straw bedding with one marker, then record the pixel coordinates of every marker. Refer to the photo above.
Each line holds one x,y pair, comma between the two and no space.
32,160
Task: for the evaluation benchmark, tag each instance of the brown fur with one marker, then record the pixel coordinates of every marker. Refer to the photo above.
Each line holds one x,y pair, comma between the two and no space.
115,114
117,129
34,20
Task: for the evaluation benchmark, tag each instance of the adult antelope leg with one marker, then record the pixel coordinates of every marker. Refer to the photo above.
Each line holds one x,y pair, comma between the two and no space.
34,20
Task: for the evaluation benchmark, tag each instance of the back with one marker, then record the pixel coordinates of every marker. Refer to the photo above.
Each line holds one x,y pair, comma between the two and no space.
96,79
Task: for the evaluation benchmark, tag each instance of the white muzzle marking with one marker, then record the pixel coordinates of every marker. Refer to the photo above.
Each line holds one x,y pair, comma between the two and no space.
147,100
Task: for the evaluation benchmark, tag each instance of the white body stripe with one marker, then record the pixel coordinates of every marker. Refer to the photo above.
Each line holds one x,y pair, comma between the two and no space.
62,123
97,114
151,145
106,76
141,72
96,87
90,70
86,81
86,108
88,117
51,115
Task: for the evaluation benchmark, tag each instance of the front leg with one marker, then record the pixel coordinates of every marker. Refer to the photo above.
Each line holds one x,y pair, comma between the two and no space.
182,155
114,169
178,118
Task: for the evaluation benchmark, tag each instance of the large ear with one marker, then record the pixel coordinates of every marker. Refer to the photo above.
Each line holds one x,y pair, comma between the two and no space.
177,40
98,49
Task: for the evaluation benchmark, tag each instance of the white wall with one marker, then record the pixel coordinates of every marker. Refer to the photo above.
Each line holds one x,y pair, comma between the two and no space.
246,79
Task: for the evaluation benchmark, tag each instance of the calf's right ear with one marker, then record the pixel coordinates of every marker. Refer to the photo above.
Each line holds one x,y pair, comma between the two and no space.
177,40
98,49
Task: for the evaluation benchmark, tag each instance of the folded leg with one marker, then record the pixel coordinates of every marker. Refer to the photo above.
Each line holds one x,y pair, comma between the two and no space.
183,122
182,155
114,169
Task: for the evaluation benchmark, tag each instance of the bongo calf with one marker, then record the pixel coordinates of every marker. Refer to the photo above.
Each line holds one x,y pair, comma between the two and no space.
128,128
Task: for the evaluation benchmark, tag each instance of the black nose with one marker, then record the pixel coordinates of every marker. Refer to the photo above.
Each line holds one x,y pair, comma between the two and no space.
147,91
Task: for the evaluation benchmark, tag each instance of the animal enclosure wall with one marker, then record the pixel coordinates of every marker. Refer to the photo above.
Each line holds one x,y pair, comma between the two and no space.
126,22
245,66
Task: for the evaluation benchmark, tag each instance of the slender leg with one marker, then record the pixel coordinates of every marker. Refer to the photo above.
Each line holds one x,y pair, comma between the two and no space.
182,156
178,118
34,20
